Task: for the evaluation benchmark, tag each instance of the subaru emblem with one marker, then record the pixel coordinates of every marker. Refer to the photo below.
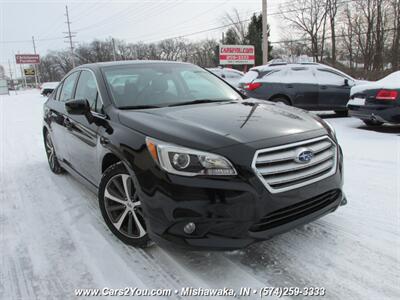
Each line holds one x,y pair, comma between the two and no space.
304,156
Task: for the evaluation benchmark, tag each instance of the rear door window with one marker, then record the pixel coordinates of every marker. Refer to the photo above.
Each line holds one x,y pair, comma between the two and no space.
326,77
275,75
301,75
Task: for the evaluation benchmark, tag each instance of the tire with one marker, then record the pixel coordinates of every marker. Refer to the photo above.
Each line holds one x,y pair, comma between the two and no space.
54,164
342,113
282,100
372,123
121,208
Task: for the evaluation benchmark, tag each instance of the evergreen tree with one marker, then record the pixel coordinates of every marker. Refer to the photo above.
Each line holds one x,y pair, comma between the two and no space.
254,37
231,37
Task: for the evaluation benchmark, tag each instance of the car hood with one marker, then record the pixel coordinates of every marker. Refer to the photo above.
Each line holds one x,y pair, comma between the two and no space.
216,125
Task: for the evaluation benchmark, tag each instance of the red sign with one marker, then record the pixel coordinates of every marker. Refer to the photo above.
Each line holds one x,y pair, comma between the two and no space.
31,59
236,55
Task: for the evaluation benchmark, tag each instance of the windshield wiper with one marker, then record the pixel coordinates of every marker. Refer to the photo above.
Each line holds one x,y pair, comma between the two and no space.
144,106
199,101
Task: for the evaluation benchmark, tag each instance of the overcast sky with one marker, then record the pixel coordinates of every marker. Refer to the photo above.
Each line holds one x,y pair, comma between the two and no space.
130,20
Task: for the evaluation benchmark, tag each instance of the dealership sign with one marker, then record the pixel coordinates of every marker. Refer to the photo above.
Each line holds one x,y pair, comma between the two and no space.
236,55
31,59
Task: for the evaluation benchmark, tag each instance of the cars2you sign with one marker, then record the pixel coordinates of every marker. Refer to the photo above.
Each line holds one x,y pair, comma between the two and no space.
236,55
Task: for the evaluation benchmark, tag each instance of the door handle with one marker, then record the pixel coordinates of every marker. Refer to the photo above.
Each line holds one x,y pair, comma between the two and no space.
289,86
68,123
323,87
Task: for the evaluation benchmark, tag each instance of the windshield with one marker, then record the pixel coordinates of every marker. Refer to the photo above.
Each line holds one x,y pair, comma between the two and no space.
157,85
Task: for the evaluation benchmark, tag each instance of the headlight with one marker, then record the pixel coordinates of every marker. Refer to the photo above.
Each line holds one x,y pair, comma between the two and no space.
188,162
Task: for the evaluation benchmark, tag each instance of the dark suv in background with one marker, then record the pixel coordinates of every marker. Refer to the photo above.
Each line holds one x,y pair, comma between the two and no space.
310,86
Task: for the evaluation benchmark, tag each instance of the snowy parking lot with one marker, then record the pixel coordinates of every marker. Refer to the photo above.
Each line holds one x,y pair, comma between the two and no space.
53,239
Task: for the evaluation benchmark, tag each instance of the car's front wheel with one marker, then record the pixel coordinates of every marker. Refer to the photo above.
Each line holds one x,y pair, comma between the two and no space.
51,154
121,206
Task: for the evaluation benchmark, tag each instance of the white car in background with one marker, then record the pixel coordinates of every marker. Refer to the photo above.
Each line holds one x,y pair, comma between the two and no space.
48,87
231,76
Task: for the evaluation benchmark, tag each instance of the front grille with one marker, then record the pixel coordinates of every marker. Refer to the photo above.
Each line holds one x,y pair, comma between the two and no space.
278,169
296,211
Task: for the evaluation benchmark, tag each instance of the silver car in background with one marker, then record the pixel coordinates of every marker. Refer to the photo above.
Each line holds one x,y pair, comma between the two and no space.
230,75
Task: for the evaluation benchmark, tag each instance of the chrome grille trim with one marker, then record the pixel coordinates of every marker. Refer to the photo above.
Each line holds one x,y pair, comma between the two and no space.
279,172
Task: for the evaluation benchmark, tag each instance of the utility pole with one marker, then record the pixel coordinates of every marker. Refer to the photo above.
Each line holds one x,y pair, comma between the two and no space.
23,74
15,72
264,32
11,77
113,46
34,66
69,36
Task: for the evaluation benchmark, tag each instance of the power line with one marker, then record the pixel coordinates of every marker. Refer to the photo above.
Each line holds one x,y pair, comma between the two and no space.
185,21
97,24
327,37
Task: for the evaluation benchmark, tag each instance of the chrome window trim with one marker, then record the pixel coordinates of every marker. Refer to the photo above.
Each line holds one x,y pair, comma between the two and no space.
295,186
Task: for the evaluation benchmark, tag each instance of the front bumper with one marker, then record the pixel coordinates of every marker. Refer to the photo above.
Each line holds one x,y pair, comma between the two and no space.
381,113
228,212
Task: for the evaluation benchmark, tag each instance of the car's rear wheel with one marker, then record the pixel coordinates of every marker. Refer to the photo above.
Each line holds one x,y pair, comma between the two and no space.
121,206
342,113
372,123
51,155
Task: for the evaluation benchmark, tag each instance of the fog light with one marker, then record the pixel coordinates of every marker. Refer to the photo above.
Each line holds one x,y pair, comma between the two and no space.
189,228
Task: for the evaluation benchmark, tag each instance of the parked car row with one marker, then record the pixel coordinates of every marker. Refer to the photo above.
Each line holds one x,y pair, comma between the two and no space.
314,86
310,86
178,156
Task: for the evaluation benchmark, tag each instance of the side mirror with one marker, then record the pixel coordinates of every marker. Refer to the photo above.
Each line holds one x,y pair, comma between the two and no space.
77,107
346,82
223,75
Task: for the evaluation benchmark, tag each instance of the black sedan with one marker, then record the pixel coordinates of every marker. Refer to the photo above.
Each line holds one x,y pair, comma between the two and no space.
177,155
378,102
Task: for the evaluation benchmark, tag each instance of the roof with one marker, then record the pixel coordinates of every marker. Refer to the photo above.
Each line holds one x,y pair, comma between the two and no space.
128,62
285,64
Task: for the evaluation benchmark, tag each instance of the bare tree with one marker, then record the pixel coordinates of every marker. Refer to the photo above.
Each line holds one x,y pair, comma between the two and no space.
333,7
395,47
237,27
309,17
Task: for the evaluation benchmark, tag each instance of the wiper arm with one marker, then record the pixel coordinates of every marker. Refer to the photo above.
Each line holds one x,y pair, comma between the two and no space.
199,101
144,106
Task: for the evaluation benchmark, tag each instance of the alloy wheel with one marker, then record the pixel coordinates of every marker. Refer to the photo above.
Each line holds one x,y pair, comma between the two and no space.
123,206
50,151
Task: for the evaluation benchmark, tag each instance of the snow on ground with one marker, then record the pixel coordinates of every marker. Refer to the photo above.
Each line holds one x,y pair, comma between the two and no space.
53,239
